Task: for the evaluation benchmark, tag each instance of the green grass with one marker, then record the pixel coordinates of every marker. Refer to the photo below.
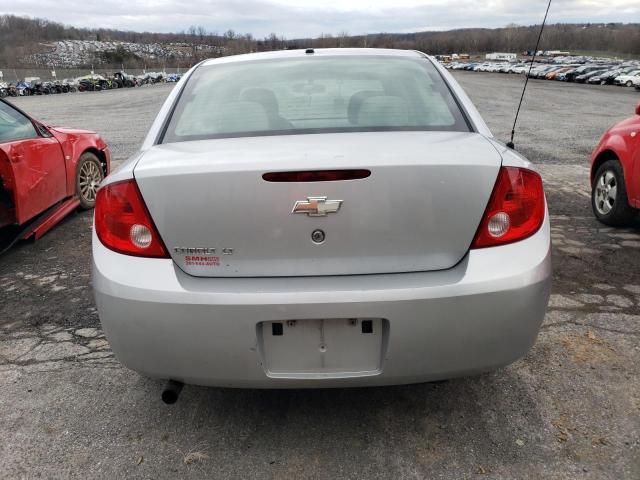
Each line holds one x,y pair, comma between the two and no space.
595,53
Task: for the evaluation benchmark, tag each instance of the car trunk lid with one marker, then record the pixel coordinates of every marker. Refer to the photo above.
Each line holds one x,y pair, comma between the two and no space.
418,210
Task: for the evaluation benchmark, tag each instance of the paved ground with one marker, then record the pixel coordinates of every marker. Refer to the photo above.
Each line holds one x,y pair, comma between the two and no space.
570,409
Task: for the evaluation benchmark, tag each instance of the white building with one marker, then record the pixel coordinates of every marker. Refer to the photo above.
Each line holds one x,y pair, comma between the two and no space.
556,53
501,56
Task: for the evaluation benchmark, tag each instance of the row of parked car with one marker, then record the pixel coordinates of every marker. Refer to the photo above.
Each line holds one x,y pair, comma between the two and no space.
24,88
90,83
622,74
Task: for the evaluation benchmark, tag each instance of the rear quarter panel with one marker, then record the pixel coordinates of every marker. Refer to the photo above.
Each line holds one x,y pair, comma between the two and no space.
76,142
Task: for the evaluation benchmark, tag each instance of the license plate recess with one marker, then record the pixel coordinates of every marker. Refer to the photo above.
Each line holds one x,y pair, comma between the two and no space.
325,348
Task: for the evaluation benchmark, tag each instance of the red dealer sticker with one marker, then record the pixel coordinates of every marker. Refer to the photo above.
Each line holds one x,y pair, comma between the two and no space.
199,261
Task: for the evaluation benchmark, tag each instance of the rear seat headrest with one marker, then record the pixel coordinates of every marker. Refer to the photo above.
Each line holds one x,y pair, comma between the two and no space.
239,117
355,102
383,110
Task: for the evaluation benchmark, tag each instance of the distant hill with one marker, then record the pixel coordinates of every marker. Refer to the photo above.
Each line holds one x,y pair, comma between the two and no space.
38,42
21,38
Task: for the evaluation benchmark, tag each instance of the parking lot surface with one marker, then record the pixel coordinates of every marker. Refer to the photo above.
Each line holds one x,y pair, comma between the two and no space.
569,409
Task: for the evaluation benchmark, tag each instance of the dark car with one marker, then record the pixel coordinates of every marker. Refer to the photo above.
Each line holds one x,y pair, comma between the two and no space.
572,75
605,78
586,76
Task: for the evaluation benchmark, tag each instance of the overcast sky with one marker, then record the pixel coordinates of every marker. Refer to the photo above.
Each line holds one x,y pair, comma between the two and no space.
306,18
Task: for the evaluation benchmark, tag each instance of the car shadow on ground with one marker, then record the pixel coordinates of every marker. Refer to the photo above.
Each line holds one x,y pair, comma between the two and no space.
471,419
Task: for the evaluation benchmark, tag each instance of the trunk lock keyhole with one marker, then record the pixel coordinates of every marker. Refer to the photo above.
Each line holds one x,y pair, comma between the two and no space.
317,236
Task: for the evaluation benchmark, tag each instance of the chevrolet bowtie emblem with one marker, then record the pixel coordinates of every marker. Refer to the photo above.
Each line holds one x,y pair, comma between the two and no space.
317,206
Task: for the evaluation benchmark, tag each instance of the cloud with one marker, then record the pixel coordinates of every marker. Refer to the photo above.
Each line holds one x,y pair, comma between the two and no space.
306,18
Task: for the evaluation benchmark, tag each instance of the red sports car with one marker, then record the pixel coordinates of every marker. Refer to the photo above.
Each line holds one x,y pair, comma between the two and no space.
45,173
615,173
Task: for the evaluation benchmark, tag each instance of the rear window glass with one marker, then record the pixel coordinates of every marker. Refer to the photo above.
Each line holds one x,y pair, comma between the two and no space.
313,95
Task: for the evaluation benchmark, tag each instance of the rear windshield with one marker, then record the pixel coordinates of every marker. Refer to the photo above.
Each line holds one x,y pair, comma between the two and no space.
313,95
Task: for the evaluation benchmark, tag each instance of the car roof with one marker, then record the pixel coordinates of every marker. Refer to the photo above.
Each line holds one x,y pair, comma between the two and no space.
316,52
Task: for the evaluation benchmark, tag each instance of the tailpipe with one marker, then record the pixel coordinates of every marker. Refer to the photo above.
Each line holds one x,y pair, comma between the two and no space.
171,392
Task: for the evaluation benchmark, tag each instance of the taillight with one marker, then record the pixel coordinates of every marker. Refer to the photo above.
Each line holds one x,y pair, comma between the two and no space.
123,223
515,211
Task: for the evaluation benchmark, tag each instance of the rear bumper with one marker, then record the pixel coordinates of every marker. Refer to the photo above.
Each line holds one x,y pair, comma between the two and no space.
480,315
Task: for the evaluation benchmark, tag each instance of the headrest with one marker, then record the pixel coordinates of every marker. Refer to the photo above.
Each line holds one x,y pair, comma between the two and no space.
355,102
383,111
263,96
232,117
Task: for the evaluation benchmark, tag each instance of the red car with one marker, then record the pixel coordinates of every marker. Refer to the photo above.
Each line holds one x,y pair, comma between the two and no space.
45,173
615,173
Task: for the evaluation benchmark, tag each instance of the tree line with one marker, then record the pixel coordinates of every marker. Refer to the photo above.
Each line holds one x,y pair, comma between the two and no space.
20,36
612,38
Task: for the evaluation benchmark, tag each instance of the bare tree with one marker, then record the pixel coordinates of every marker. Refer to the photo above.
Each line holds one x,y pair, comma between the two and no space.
22,36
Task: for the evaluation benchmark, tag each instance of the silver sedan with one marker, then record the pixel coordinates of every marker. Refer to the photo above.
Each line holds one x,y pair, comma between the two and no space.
320,218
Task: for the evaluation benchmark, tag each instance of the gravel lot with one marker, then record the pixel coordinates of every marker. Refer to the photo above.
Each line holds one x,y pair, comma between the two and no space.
570,409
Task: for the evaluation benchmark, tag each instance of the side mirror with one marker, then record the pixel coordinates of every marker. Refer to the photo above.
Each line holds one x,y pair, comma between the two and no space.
638,109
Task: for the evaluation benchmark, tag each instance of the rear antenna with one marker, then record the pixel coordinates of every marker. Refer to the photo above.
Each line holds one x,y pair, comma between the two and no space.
510,144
